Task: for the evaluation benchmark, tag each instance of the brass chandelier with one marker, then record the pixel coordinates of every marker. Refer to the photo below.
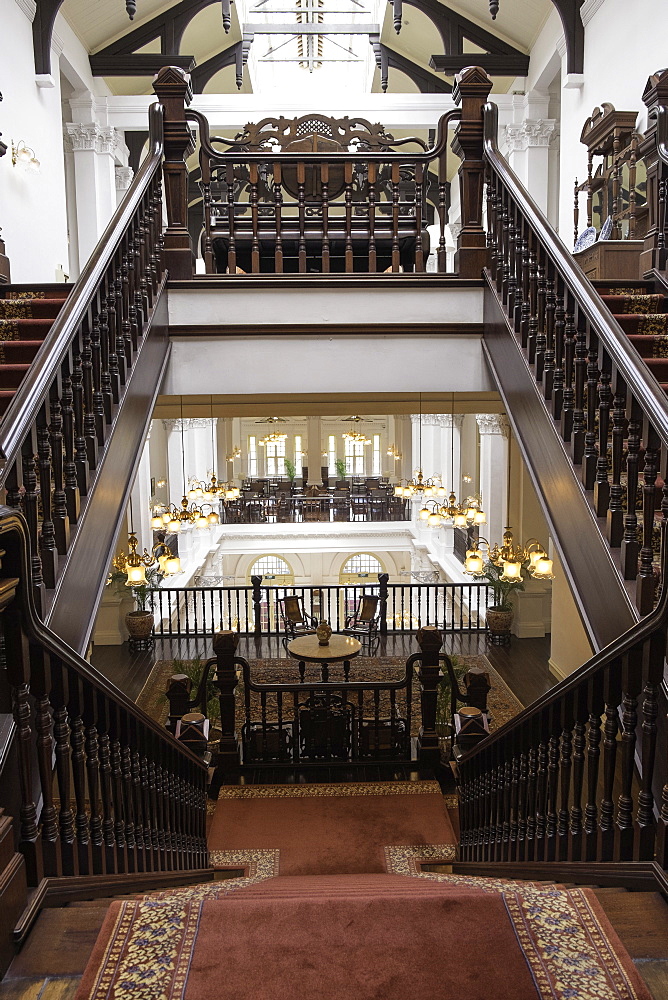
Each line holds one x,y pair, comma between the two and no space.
511,558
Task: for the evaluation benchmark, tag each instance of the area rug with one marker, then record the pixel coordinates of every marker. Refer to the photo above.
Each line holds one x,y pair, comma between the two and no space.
325,829
502,703
394,943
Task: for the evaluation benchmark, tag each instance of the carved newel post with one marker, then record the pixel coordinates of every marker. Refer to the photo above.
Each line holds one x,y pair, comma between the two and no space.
172,87
429,640
655,97
225,647
472,87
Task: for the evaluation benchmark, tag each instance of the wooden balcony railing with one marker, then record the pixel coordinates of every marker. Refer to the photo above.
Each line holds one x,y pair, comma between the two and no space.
255,610
103,789
55,435
611,412
559,782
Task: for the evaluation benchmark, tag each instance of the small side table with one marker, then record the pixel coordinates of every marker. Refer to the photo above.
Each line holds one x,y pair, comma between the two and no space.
340,648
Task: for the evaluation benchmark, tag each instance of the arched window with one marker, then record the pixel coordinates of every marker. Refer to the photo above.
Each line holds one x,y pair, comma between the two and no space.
360,567
273,569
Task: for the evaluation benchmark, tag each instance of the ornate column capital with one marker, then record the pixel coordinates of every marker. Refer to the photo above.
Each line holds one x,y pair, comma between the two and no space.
438,420
530,132
91,137
124,177
185,423
493,423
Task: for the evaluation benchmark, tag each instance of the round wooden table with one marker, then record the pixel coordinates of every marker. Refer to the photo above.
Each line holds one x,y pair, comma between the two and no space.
306,648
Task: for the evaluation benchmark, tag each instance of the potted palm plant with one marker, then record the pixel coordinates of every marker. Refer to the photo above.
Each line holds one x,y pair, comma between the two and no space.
139,622
290,470
500,613
340,467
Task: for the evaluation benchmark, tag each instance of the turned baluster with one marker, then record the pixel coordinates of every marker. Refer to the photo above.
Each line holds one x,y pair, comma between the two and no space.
254,203
108,829
61,737
118,798
156,834
61,523
615,514
520,246
559,325
630,547
31,514
111,381
504,261
231,227
29,840
442,210
48,553
77,740
500,815
122,318
505,826
146,276
565,772
372,178
541,801
136,812
348,202
590,455
552,797
98,399
514,799
395,178
579,748
90,433
127,792
277,188
532,329
145,813
116,342
140,307
93,780
522,808
631,684
593,762
420,204
69,465
612,696
645,581
513,237
549,354
602,486
161,819
645,823
531,799
568,396
324,183
492,202
128,273
541,336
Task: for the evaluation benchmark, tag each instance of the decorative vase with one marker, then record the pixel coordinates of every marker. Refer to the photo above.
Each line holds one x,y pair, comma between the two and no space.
140,627
498,625
323,632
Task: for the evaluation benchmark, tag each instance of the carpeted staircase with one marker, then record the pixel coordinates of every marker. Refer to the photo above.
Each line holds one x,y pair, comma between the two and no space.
27,313
642,312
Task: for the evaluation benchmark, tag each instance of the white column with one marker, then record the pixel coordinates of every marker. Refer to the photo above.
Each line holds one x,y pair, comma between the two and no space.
314,459
141,497
93,146
123,177
451,451
174,460
527,139
494,442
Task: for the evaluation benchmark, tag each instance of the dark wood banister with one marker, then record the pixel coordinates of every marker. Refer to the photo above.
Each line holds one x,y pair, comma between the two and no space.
22,411
638,378
638,633
11,521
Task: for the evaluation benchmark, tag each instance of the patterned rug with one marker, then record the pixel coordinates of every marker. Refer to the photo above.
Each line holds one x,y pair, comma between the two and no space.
502,703
339,937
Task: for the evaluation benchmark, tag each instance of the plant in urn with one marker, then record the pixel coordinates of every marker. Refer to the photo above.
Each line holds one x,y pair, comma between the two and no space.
323,632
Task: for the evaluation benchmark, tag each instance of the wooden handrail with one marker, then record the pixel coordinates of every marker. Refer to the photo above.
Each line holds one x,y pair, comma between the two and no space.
22,411
638,378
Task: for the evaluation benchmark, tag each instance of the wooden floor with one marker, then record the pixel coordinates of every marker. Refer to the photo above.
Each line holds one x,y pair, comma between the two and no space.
523,664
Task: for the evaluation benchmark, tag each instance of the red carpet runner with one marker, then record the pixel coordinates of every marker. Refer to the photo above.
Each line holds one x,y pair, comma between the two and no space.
359,936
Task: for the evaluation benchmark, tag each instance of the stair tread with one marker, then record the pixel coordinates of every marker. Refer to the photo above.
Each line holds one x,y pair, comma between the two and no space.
641,921
60,943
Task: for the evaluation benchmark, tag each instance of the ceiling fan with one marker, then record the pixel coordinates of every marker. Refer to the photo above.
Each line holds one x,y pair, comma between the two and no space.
272,420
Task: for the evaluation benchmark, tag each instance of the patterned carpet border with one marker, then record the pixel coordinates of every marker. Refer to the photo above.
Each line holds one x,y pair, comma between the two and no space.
405,859
261,865
341,789
565,947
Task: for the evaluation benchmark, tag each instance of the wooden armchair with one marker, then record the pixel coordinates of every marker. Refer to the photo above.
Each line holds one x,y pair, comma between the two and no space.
295,620
363,624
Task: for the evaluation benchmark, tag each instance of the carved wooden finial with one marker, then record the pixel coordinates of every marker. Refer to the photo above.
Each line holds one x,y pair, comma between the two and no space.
429,639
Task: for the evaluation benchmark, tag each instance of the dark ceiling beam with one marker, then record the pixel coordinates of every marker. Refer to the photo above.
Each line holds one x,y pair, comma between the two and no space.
137,64
495,64
571,22
231,56
422,78
168,27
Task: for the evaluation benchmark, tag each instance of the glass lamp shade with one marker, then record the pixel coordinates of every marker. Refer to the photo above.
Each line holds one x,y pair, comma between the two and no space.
398,491
459,520
534,557
229,494
441,491
429,491
424,514
213,518
512,572
161,564
201,521
473,563
172,565
434,519
480,517
174,524
136,576
542,569
166,517
192,494
157,522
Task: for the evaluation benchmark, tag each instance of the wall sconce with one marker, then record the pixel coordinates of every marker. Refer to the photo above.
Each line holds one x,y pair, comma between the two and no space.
23,156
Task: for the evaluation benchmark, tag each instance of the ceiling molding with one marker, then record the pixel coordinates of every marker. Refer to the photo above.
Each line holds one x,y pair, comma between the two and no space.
28,7
588,9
